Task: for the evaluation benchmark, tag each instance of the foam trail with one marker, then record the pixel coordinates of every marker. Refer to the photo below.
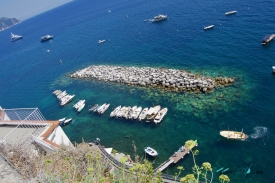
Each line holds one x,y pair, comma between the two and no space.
259,132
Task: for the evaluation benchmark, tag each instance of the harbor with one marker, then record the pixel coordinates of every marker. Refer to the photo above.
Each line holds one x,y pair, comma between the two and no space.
170,79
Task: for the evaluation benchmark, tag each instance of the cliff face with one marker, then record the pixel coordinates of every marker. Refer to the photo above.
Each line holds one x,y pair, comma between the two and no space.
6,23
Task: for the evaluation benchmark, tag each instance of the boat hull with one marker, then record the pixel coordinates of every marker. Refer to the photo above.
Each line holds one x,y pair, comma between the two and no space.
233,135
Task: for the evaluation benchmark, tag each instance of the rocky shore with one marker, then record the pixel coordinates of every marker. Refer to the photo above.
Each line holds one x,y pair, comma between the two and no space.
171,79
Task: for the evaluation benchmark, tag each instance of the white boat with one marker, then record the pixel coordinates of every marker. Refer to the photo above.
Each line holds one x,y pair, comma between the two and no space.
273,69
78,104
100,108
159,18
115,111
15,37
61,120
61,95
151,151
126,110
81,107
104,108
208,27
93,108
120,112
131,112
268,38
45,38
152,112
233,135
160,115
136,113
101,41
66,99
230,12
57,92
143,114
67,121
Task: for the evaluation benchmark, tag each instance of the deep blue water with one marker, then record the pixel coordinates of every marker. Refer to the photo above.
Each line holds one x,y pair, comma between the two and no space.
29,74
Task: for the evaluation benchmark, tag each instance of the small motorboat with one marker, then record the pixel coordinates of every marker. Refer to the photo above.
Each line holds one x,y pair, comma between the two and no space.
67,121
104,109
143,114
152,112
151,151
81,107
208,27
100,108
230,12
62,120
273,69
101,41
93,108
268,38
136,113
115,111
160,115
233,135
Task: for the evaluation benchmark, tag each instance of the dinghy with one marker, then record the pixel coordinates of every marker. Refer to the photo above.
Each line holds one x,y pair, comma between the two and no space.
151,151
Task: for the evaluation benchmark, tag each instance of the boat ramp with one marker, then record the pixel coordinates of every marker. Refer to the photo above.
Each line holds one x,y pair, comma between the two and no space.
177,156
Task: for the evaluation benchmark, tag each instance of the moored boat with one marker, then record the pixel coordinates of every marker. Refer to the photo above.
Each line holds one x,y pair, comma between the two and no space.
62,120
136,113
230,12
120,112
115,111
234,135
78,104
208,27
273,69
268,38
143,114
100,108
81,107
66,99
101,41
150,151
152,112
160,115
104,109
93,108
131,112
67,121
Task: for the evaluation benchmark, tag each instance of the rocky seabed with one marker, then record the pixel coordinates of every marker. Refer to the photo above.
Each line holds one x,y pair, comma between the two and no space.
172,79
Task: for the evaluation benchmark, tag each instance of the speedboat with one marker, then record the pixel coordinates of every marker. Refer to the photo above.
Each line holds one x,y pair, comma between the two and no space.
100,108
104,108
66,121
136,113
208,27
81,107
101,41
120,112
160,115
233,135
159,18
61,120
45,38
230,12
92,108
143,114
152,112
66,99
15,37
115,111
78,104
151,151
95,110
131,112
268,38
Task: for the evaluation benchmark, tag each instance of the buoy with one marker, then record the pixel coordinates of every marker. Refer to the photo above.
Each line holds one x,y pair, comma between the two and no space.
225,170
219,169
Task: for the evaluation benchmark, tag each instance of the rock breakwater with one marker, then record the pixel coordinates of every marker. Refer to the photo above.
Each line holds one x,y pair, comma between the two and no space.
170,79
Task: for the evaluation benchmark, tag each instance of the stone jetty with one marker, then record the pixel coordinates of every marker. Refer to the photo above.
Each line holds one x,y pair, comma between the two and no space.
171,79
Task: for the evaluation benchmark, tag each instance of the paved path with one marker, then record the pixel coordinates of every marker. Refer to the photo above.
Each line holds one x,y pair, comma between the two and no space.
9,175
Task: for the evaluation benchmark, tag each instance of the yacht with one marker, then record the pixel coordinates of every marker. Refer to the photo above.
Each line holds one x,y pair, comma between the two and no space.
159,18
15,37
101,41
45,38
160,115
230,12
143,114
208,27
268,38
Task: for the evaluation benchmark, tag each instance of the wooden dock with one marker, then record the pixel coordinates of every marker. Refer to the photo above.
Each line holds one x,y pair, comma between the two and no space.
178,155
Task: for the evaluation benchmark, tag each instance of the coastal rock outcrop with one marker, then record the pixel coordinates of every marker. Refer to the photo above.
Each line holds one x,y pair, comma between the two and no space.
6,23
169,79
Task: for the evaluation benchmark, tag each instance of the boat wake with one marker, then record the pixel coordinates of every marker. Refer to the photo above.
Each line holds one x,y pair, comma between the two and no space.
259,132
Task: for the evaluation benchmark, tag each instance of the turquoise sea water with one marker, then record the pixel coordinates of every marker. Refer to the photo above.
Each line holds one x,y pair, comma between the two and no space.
29,74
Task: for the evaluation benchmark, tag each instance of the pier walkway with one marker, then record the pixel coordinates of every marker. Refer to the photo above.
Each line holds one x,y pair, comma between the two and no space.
178,155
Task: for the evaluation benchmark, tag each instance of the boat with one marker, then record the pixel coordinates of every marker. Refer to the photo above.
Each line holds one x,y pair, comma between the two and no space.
81,107
66,99
115,111
152,112
46,38
78,104
104,108
233,135
273,69
57,92
150,151
143,114
15,37
93,108
67,121
268,38
131,112
61,95
136,113
230,12
100,108
208,27
160,115
120,112
62,120
126,110
159,18
101,41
